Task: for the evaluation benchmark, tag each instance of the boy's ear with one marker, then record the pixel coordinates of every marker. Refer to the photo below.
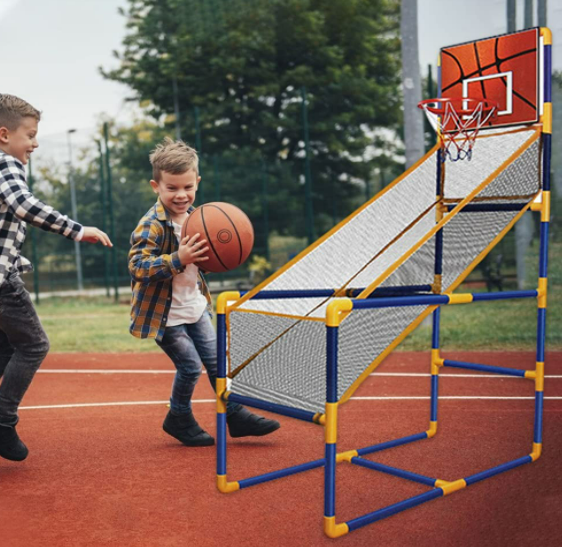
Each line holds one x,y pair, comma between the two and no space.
154,185
4,134
198,181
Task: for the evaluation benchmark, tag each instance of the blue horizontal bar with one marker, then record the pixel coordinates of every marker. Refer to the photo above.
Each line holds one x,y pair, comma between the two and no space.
496,470
485,368
391,444
506,295
488,207
399,301
436,299
394,471
273,407
393,509
252,481
326,293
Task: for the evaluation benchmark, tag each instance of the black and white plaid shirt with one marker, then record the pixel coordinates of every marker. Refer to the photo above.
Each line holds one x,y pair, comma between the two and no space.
18,206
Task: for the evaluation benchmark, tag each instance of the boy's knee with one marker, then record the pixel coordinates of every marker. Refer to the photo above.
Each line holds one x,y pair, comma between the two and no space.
39,349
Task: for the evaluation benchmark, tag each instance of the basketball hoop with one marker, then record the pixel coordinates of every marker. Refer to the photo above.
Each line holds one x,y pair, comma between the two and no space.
457,122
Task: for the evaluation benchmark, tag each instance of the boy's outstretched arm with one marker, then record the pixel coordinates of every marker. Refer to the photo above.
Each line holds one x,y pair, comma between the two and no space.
25,206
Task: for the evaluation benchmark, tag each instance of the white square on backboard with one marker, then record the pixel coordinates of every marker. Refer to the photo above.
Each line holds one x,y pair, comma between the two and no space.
508,89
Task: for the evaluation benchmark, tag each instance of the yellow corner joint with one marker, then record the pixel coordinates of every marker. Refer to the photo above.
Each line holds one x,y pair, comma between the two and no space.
536,453
335,310
226,487
432,430
333,530
224,298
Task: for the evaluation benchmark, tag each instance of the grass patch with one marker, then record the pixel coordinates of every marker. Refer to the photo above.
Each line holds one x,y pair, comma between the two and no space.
101,325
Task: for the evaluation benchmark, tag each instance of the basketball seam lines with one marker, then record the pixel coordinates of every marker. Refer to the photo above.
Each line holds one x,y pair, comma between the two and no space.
209,239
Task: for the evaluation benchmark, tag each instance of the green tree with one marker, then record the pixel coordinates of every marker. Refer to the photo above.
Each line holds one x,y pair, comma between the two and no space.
243,64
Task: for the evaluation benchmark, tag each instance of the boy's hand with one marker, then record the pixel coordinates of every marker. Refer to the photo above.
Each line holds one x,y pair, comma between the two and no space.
192,251
93,235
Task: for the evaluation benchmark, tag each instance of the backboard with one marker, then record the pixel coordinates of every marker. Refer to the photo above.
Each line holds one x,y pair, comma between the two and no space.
502,68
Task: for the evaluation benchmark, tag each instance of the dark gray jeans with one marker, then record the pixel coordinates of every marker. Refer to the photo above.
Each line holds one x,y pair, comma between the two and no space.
23,346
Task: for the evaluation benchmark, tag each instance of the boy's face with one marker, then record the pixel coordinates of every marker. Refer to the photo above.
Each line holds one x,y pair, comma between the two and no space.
20,142
177,192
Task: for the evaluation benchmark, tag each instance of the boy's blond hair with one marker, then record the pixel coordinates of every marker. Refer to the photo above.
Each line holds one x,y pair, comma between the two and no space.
13,110
174,157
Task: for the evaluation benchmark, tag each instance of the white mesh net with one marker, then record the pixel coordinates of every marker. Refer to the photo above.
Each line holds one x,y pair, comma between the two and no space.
277,347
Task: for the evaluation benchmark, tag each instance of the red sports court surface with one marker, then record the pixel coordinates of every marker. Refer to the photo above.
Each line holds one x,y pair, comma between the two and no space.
101,472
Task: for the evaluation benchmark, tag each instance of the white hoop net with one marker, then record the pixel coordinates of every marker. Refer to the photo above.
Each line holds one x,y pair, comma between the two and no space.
457,128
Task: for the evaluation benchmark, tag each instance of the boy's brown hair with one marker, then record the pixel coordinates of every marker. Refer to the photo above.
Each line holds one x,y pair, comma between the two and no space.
174,157
13,110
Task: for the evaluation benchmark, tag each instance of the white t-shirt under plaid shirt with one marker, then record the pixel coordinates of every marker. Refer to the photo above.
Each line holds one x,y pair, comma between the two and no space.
188,304
18,206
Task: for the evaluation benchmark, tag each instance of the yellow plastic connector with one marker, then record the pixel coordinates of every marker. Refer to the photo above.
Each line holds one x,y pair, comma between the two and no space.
333,530
536,453
221,390
451,487
436,361
432,430
460,298
542,289
539,377
226,487
335,310
346,456
224,298
546,118
319,418
437,284
331,424
546,34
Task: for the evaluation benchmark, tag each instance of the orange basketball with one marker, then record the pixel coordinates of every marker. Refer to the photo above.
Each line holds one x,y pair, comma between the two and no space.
228,231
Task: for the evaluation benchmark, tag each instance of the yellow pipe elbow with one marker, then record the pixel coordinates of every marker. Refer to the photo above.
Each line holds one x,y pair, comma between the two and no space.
333,530
546,34
537,450
224,298
432,430
335,308
226,487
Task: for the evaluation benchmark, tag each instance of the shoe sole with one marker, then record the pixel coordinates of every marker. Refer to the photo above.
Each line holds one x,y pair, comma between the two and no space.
210,442
13,458
265,431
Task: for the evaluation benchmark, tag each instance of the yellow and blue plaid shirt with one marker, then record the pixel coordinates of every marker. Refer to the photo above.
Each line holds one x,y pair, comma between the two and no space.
153,262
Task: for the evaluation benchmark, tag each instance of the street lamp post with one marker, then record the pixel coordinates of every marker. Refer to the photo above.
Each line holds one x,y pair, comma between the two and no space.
74,211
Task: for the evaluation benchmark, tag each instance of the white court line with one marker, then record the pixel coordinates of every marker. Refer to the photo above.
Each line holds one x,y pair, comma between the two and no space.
398,374
406,398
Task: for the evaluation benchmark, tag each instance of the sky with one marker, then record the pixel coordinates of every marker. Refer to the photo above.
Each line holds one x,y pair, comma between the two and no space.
52,51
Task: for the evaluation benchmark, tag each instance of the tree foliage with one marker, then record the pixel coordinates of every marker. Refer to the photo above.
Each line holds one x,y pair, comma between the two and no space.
244,64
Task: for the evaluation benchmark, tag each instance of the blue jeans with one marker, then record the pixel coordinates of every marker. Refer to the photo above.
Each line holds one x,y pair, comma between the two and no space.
23,346
190,346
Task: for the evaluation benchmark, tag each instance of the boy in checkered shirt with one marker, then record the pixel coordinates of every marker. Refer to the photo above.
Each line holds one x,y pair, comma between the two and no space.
23,342
170,296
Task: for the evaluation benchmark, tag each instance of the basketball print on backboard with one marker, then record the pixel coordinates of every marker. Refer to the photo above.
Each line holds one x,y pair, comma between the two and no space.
504,69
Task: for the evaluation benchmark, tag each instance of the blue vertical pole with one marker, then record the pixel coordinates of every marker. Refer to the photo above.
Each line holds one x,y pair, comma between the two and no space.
331,402
221,380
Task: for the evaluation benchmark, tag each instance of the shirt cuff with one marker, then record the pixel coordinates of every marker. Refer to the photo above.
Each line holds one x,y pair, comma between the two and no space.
80,235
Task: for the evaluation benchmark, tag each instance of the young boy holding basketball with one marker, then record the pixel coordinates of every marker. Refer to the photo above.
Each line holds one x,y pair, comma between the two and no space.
170,297
23,342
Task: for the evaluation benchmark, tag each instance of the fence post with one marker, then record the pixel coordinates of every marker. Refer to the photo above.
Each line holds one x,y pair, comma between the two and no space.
103,218
111,220
264,205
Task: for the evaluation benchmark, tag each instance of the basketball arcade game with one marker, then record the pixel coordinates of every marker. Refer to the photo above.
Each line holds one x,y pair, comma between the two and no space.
303,341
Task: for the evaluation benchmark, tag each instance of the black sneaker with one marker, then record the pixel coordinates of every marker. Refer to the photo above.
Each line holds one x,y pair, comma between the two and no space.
185,429
11,447
242,423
